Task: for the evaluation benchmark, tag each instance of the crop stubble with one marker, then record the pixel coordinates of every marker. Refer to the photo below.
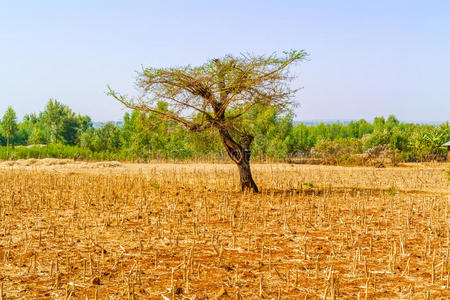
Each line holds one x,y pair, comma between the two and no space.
183,230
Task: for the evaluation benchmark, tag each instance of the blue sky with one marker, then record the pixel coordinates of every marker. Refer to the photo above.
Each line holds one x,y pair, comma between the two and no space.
367,58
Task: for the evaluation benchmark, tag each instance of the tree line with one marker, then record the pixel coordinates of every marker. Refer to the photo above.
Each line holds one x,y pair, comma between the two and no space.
59,132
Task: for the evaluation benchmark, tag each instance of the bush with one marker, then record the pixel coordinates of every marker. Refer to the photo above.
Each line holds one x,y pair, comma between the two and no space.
382,155
60,151
339,151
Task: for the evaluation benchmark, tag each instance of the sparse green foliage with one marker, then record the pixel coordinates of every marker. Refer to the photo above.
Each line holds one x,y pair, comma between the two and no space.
392,190
8,125
62,125
308,185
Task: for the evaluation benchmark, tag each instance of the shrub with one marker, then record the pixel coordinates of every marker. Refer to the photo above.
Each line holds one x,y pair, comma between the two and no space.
382,155
339,151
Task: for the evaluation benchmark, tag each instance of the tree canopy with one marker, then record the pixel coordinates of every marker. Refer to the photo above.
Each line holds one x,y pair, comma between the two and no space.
9,125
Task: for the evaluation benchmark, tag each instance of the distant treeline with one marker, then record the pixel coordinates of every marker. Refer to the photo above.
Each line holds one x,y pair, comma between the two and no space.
58,132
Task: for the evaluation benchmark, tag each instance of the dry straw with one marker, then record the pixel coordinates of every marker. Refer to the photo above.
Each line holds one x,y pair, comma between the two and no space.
72,230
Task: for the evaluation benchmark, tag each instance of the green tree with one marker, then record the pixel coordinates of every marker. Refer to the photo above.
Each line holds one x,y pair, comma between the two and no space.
274,136
105,138
218,95
37,135
87,139
378,123
9,126
391,122
305,138
28,130
62,124
108,138
53,118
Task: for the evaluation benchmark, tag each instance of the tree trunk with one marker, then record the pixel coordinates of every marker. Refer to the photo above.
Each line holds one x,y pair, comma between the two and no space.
7,147
245,177
240,154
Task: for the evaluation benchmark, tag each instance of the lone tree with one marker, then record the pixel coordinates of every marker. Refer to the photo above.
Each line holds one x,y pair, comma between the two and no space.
217,95
9,127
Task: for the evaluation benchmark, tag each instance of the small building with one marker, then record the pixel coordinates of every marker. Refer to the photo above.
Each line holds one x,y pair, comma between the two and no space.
448,150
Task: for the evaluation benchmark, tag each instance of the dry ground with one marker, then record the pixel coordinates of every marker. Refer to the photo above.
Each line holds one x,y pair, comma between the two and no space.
118,231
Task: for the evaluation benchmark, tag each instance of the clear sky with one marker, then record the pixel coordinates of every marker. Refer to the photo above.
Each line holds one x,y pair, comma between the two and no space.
367,58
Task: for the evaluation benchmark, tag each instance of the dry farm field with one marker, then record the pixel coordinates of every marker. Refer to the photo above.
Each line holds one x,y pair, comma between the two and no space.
183,231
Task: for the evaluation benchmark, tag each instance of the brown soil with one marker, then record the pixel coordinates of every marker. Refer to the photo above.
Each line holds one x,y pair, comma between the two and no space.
71,230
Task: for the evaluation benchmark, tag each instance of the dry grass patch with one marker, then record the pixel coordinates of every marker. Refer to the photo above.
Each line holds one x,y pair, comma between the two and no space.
174,231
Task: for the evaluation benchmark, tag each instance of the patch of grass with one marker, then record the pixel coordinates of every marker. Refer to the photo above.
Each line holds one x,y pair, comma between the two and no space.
308,185
392,190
